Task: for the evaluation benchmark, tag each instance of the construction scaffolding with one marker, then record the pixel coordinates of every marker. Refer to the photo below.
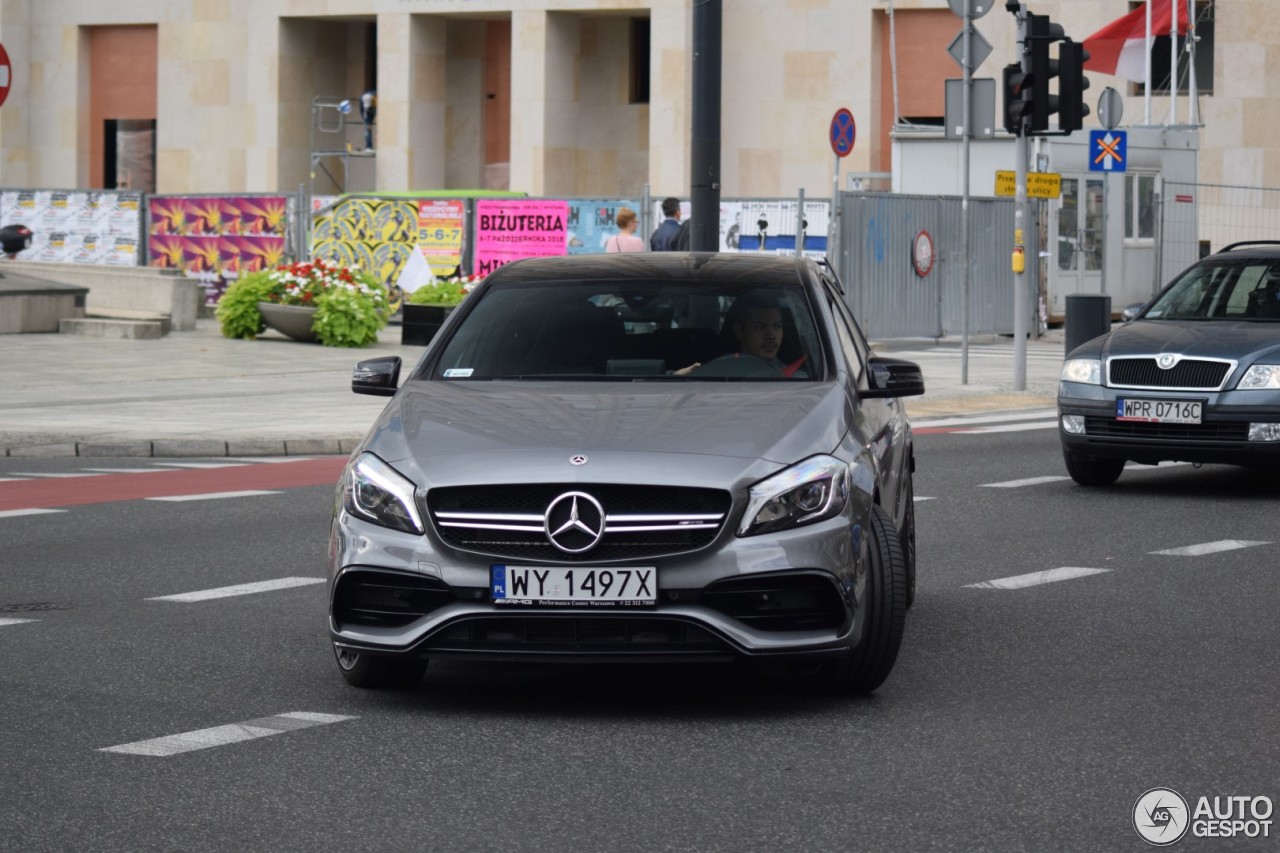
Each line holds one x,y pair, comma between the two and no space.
336,142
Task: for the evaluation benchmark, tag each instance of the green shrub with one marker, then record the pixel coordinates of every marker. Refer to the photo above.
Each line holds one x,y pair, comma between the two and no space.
237,310
348,318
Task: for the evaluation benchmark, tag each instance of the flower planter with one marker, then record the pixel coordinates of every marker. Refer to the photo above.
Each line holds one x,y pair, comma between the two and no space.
292,321
419,323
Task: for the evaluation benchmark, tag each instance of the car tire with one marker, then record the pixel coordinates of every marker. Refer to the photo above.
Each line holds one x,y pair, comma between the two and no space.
883,622
1091,471
374,671
908,537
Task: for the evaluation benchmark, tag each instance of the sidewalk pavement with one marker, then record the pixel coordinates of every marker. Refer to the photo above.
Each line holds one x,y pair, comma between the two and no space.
199,394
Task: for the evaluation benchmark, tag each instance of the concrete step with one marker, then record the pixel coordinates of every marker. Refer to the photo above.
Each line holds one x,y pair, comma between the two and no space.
101,327
129,314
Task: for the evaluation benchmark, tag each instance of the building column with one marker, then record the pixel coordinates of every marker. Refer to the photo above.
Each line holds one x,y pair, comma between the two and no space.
411,138
670,99
528,100
263,110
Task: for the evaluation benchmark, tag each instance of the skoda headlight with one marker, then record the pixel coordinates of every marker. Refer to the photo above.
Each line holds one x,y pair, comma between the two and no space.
812,490
1086,370
379,493
1260,377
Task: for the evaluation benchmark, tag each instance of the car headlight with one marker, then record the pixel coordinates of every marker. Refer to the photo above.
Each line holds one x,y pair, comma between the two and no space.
1086,370
1260,377
812,490
379,493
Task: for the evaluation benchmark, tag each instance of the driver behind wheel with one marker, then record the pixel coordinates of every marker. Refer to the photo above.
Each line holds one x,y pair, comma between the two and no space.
756,322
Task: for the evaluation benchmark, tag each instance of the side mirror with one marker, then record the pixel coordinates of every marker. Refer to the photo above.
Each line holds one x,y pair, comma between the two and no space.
378,377
1130,312
893,377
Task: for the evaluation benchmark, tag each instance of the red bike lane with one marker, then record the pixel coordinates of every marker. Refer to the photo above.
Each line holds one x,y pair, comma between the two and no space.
110,488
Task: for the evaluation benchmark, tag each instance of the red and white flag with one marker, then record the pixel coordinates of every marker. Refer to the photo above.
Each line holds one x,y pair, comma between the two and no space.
1119,48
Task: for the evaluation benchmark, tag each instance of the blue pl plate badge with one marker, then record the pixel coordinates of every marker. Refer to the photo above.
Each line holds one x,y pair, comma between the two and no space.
498,576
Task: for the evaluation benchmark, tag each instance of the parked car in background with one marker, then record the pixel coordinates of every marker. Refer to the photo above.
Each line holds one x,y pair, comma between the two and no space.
1194,377
633,457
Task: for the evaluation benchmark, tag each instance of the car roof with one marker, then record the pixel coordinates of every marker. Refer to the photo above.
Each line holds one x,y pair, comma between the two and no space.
1249,249
747,268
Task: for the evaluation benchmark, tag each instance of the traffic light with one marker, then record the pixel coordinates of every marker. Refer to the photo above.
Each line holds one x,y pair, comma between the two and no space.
1041,33
1071,85
1017,97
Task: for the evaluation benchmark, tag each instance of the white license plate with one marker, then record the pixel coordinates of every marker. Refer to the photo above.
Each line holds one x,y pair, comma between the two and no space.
1158,411
623,586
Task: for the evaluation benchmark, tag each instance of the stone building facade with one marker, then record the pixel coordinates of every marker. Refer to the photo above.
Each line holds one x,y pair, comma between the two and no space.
554,97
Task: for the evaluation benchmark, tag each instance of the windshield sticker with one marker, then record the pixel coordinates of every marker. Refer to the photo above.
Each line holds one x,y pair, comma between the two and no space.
458,372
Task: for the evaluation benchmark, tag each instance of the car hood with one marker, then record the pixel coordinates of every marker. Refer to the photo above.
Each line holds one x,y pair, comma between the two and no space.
1238,340
444,421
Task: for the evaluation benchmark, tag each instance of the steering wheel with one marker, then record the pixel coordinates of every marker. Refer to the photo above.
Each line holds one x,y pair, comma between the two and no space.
739,364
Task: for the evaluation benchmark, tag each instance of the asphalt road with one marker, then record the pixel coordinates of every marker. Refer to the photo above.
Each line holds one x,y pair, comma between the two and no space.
1022,715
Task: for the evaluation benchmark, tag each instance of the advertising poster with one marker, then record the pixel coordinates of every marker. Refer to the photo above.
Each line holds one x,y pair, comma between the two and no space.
375,235
593,221
63,222
770,226
511,229
440,227
215,235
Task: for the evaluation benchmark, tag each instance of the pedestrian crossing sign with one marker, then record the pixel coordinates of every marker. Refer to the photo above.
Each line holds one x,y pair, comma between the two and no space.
1108,150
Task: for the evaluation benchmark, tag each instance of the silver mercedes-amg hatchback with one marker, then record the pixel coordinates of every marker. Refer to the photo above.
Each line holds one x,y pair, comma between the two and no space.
633,457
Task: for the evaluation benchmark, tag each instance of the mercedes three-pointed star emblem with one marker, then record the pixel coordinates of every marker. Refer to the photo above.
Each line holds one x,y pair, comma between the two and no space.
574,522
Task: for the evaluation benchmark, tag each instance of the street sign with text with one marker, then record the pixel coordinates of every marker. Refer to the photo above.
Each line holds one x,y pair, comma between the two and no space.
1039,184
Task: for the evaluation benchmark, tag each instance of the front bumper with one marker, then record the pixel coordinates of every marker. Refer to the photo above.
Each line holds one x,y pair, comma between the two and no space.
789,595
1221,438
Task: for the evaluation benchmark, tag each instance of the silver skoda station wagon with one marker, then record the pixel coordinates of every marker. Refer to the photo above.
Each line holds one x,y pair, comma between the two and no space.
633,457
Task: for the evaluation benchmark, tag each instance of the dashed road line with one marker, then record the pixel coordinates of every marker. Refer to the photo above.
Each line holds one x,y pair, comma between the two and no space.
1209,548
1029,481
201,466
11,513
919,498
6,622
162,747
974,420
1138,466
52,475
1053,424
213,496
239,589
1037,578
120,470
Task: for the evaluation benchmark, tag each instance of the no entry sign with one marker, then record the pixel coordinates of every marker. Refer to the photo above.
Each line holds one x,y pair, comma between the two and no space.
5,74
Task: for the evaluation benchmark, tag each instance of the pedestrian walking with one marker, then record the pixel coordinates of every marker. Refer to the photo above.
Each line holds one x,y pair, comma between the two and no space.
664,236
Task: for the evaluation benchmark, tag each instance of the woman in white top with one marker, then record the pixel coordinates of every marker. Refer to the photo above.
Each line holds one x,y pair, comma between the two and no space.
625,240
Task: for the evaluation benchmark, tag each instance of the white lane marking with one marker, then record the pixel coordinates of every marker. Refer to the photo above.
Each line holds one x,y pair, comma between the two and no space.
4,622
984,419
919,498
1011,428
1036,578
213,496
1209,548
270,460
15,479
1030,481
121,470
222,735
10,513
1138,466
238,589
54,476
200,465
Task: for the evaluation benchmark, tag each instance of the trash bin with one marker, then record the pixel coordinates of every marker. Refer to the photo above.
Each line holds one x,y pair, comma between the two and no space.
1088,315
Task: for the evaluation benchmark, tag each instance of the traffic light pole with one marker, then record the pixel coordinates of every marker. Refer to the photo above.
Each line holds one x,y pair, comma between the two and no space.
1020,218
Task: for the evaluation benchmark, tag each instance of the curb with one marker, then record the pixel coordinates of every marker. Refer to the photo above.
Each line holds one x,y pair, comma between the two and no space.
177,448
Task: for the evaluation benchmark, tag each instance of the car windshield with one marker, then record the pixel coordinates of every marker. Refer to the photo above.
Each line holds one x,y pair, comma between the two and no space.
632,330
1245,289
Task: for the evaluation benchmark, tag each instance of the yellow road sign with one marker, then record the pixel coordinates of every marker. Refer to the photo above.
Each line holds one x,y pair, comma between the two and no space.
1039,184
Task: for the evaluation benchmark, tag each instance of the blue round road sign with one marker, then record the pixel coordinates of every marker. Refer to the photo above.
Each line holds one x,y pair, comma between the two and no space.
843,132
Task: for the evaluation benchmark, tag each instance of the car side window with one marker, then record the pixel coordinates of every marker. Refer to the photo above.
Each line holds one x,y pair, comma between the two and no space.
849,339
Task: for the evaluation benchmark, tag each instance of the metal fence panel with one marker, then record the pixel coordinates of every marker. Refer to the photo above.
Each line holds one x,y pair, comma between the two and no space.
883,287
1216,214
